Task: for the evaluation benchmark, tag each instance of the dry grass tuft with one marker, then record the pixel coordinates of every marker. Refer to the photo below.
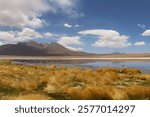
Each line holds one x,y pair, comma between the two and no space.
27,97
120,94
130,71
138,93
91,93
5,62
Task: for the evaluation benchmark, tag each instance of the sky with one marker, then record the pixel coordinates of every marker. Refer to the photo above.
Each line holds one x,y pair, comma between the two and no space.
96,26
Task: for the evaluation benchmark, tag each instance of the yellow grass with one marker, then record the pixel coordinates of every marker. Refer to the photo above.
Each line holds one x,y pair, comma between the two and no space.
130,71
27,97
56,82
91,93
138,93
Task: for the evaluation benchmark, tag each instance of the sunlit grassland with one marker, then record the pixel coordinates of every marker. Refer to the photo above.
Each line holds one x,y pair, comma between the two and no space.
21,82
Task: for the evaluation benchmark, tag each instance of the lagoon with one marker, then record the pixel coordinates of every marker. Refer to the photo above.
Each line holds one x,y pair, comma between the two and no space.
144,66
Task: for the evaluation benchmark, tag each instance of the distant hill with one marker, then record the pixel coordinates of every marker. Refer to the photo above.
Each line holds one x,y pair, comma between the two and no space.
37,49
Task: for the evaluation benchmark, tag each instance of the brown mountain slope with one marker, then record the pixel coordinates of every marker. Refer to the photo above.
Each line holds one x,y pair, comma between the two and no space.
36,49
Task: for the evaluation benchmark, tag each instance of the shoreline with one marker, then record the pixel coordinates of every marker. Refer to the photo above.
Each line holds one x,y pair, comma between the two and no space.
62,58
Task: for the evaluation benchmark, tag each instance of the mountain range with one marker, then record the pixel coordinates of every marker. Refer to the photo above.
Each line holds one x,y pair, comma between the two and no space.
33,48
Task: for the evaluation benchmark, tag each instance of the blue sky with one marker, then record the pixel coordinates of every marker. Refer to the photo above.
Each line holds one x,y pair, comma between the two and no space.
99,26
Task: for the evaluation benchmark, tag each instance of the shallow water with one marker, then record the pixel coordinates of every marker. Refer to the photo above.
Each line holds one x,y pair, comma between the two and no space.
144,66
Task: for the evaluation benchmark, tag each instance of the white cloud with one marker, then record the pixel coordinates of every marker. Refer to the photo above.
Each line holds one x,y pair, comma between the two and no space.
65,6
1,43
140,43
67,25
28,34
22,13
143,26
6,37
70,26
108,38
25,35
67,41
27,13
48,34
146,33
34,23
77,26
73,48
